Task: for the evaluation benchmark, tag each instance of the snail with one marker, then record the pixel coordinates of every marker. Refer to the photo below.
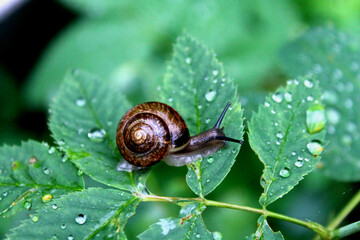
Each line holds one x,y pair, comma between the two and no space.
153,131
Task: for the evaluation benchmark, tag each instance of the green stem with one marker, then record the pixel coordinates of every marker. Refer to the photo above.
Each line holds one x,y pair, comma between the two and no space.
345,211
346,230
342,215
319,229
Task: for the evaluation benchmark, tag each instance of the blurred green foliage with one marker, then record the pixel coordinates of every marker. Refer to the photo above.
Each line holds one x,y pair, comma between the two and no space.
128,43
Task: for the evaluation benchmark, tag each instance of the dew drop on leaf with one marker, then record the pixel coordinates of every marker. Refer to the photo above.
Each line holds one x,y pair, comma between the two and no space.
273,111
210,160
315,148
280,135
27,205
217,236
288,96
46,171
70,237
215,72
80,102
97,135
299,163
54,206
47,198
315,118
309,98
80,219
188,60
207,121
308,83
63,226
267,104
34,218
210,95
52,150
285,172
277,97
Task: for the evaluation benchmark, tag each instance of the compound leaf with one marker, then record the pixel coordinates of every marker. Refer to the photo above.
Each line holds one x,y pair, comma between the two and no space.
264,232
32,174
189,225
279,134
83,120
93,213
334,58
198,88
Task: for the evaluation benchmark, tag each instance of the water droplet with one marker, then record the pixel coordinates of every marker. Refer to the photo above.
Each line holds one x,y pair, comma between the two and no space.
267,104
315,148
52,150
315,118
280,135
299,163
80,102
285,172
32,161
5,194
80,219
277,97
306,159
262,182
15,165
210,160
333,116
171,99
273,111
54,206
197,235
188,60
34,218
46,171
288,96
63,226
215,72
47,198
200,107
289,106
64,158
293,153
310,98
277,143
217,236
308,83
210,96
97,135
70,237
27,205
233,151
207,121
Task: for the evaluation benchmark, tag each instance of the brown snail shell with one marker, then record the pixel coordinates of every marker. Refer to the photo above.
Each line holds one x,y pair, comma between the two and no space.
153,131
148,131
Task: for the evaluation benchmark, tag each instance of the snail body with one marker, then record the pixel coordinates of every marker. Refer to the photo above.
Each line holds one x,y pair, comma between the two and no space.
153,131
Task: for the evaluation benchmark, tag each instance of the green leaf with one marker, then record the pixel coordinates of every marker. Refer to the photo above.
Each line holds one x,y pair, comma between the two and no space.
83,120
189,225
31,171
334,58
264,232
278,134
93,213
198,88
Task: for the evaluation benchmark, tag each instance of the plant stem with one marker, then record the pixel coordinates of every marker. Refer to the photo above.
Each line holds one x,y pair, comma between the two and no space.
345,211
346,230
319,229
342,215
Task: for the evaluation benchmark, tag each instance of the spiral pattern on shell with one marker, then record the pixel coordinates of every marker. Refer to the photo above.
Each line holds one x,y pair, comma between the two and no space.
147,132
